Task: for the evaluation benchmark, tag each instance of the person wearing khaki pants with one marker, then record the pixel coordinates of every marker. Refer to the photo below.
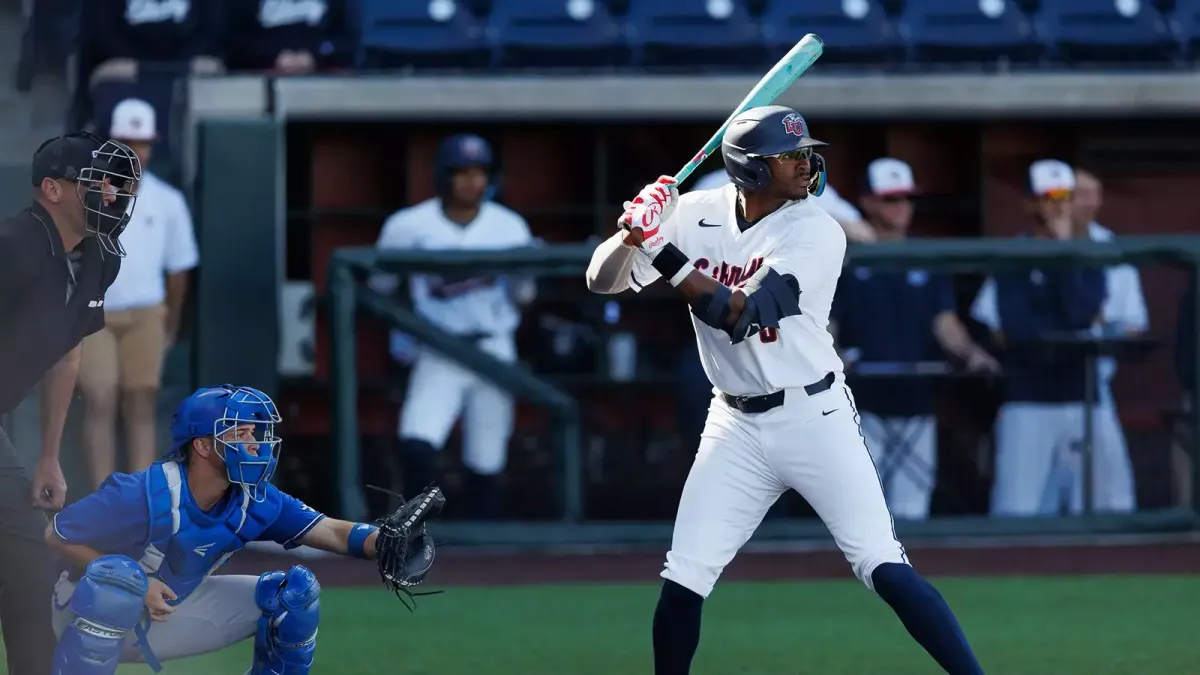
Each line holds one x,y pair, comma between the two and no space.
121,365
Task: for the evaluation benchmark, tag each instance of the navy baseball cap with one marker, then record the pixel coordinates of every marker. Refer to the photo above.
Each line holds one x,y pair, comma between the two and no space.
65,157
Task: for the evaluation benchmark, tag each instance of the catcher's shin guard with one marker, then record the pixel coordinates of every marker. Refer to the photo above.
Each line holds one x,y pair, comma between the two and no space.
287,630
107,603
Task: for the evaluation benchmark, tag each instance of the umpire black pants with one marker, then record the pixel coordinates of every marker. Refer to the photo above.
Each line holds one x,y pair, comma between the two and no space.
27,571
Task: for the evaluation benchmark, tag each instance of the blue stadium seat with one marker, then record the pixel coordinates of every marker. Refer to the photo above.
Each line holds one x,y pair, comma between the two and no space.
858,31
953,30
556,33
682,33
440,33
1185,17
1108,31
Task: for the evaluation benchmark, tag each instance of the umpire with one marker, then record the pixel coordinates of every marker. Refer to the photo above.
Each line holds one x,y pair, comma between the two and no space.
57,258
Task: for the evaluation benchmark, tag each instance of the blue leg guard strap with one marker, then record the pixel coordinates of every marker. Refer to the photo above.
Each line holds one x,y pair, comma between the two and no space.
107,603
287,630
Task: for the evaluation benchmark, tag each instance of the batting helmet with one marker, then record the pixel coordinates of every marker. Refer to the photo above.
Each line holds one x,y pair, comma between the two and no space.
764,131
457,152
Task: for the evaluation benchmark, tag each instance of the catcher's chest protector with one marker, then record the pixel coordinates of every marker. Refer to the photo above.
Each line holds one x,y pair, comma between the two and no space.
185,544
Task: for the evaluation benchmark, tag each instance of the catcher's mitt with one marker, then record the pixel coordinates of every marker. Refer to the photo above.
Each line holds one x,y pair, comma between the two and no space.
404,549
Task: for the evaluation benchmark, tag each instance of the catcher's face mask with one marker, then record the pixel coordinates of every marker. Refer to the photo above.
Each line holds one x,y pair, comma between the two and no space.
246,441
108,189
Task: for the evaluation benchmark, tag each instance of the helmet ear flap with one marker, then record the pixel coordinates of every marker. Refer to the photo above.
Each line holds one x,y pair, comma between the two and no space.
761,170
750,173
816,184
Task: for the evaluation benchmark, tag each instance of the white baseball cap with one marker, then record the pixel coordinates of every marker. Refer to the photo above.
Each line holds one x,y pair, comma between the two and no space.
1050,177
133,120
890,176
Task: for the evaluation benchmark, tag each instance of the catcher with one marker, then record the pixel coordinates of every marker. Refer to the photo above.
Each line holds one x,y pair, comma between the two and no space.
139,551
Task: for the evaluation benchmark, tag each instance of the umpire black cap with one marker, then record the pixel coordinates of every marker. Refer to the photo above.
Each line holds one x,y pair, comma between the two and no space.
64,157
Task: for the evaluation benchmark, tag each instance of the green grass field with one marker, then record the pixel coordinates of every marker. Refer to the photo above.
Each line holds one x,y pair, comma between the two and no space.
1035,626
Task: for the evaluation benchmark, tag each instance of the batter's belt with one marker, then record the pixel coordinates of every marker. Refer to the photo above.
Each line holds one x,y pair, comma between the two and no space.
752,405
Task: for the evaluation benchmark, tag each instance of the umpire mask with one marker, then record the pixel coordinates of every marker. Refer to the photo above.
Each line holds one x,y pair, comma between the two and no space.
108,189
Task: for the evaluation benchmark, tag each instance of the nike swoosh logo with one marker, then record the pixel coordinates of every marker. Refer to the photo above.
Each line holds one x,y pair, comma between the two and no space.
704,224
829,412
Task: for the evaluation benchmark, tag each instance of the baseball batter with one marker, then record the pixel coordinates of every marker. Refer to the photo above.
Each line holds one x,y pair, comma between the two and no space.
758,263
140,551
482,310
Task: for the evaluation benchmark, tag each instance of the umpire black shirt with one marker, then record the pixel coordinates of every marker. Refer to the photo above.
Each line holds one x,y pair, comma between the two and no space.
50,299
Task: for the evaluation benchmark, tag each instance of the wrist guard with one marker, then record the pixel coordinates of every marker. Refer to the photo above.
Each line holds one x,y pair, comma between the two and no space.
356,542
671,263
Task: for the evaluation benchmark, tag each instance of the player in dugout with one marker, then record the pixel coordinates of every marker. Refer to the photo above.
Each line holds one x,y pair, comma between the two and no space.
899,320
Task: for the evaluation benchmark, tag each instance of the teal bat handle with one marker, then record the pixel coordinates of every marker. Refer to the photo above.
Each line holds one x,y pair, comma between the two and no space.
777,80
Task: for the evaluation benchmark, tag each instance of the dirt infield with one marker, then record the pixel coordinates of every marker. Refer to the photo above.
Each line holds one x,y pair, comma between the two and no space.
467,568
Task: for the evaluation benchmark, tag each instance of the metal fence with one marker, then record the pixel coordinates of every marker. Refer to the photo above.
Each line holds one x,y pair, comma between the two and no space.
603,475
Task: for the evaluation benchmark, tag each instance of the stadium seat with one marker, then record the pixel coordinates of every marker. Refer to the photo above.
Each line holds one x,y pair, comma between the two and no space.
854,31
556,33
438,33
1185,18
1127,32
953,30
690,33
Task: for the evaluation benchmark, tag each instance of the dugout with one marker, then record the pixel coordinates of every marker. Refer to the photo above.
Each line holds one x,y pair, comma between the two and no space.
334,156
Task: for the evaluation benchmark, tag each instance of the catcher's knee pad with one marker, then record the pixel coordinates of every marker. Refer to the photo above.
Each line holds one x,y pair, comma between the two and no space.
107,604
287,630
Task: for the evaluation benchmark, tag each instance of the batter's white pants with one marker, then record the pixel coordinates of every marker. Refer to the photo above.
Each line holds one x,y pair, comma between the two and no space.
1039,462
220,613
440,390
746,461
905,454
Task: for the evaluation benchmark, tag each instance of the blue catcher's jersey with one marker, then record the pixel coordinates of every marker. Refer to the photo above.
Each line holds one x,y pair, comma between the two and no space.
151,517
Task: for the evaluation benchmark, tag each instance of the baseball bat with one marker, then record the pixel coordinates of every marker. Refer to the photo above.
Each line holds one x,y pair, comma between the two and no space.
775,82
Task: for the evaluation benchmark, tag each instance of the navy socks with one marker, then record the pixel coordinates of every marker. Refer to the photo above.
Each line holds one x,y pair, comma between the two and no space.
676,629
927,617
915,601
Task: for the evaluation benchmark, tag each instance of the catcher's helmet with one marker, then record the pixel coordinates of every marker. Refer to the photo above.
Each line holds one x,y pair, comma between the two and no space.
219,412
458,152
764,131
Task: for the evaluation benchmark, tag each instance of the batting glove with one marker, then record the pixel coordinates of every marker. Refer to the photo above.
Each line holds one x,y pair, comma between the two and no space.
649,210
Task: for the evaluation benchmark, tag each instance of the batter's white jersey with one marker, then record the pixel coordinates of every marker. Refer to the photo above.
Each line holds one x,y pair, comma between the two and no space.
466,306
800,239
830,200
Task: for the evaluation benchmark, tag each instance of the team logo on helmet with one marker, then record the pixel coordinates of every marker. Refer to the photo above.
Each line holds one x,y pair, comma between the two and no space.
472,147
794,125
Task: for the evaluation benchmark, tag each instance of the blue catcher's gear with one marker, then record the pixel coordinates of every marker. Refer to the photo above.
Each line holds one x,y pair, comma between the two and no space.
219,412
185,544
765,131
458,152
287,630
108,603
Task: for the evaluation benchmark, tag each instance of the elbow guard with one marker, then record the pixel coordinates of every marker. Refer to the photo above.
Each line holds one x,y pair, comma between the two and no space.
770,298
713,308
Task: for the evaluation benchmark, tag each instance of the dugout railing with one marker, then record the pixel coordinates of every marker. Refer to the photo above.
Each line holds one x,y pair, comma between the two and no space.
350,268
